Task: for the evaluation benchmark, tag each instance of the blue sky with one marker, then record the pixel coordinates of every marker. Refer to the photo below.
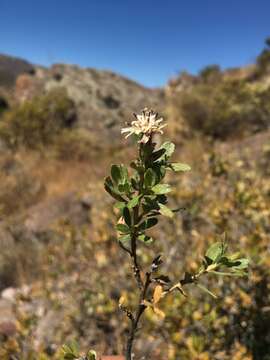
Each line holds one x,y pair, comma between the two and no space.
148,41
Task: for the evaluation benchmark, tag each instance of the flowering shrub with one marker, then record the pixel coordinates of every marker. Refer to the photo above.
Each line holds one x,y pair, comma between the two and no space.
141,197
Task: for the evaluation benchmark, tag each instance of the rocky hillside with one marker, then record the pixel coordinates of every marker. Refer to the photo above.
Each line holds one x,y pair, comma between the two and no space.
103,99
60,277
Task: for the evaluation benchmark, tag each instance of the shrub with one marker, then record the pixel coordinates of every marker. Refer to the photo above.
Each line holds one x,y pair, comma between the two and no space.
73,144
36,122
141,197
228,108
211,74
263,60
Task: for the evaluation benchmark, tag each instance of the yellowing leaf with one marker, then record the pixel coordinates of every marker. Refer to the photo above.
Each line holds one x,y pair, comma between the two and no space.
147,304
155,309
157,294
159,312
122,300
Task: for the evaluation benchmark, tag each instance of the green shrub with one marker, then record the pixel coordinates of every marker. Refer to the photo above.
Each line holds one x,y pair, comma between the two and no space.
228,108
263,60
141,197
36,122
210,74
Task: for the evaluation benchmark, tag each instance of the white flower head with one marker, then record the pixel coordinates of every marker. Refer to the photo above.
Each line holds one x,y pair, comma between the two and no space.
146,124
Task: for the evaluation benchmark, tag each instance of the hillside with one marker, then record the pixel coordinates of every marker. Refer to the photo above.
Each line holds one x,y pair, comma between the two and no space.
59,264
11,68
102,98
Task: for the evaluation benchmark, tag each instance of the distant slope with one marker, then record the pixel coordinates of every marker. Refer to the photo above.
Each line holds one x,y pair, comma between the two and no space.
104,100
11,67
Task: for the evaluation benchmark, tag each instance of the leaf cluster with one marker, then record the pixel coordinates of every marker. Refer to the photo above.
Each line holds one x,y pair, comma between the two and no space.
71,352
217,260
141,194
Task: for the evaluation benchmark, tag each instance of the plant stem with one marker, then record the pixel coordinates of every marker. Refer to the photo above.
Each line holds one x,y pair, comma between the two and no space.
135,321
137,275
133,254
133,330
142,285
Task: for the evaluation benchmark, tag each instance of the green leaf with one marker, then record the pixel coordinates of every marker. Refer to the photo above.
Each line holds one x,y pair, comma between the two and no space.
157,154
122,228
162,199
127,216
148,223
119,174
150,205
70,351
65,348
119,205
91,355
169,149
124,172
225,261
124,238
160,189
133,202
203,288
124,188
113,194
164,210
160,171
149,178
146,239
179,167
109,187
70,356
215,252
116,173
241,264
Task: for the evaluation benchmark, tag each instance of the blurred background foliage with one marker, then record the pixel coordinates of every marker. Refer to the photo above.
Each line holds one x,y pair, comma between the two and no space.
61,271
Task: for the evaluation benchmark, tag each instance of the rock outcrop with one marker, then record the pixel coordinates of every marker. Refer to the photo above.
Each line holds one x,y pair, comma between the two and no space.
104,100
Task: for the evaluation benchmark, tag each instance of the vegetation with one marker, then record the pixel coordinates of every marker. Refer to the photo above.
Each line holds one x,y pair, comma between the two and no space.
211,74
69,274
263,60
226,108
73,144
37,122
142,198
222,104
3,104
85,304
